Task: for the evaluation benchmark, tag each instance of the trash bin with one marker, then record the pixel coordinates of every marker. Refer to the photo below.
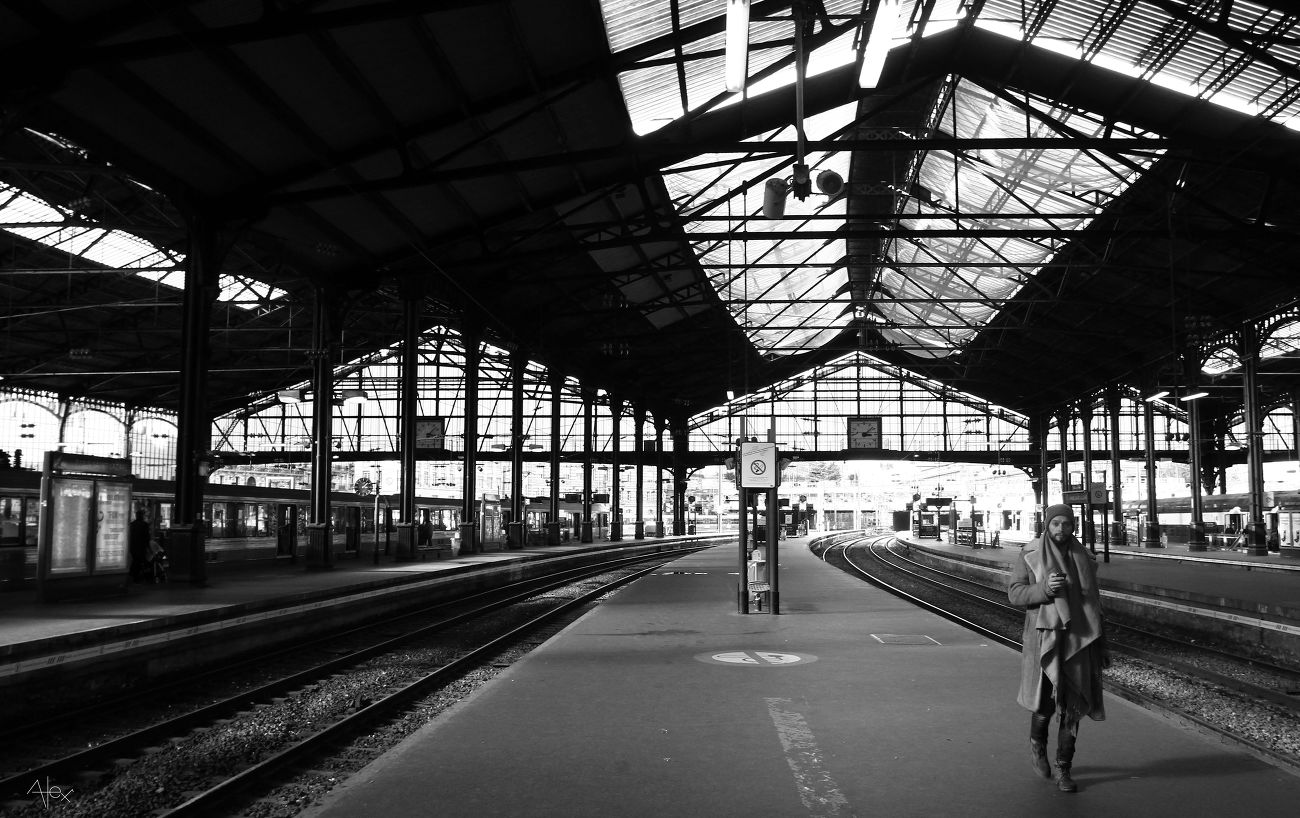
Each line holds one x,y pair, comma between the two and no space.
515,534
12,562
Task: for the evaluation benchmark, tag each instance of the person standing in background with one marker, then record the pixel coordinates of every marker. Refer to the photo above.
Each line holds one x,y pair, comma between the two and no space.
138,545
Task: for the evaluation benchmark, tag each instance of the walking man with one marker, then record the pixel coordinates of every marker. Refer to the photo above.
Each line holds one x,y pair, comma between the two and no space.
1054,579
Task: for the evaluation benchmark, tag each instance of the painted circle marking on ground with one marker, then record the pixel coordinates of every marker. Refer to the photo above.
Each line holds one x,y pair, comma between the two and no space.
756,658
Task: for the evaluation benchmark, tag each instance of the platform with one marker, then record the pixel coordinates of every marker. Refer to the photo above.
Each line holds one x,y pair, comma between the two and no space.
665,701
1268,586
36,636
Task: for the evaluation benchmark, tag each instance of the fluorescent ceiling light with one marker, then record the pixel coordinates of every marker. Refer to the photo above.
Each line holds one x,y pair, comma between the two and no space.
737,44
1157,396
1194,395
353,396
879,41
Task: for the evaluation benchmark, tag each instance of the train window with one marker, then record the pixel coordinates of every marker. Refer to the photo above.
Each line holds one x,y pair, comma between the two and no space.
10,520
162,514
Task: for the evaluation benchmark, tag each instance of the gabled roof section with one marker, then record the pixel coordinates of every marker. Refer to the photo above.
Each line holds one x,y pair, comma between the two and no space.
939,283
572,179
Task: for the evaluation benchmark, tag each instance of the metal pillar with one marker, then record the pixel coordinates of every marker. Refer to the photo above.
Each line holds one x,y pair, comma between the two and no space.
616,502
1119,532
320,536
1196,527
773,536
470,543
659,477
1038,430
1256,533
588,401
1295,424
742,531
680,444
553,526
516,530
1063,425
1089,527
638,417
408,408
186,553
1151,529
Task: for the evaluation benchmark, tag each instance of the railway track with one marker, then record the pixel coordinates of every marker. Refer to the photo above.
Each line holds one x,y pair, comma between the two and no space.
1240,699
216,750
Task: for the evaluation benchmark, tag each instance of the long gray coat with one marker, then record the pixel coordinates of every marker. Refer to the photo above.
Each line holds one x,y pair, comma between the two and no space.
1061,635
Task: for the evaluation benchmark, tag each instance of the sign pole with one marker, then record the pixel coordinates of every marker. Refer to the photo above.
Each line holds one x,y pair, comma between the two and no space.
774,595
742,588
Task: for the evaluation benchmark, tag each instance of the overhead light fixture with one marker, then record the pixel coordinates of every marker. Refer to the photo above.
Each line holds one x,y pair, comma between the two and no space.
879,41
352,397
1194,395
290,395
775,190
737,65
830,183
1157,396
774,193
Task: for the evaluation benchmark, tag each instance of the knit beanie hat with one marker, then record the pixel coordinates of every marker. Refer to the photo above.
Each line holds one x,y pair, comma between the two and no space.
1058,510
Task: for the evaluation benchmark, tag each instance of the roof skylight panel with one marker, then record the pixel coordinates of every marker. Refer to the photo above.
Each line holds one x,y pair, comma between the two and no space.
803,265
75,241
114,249
632,22
991,194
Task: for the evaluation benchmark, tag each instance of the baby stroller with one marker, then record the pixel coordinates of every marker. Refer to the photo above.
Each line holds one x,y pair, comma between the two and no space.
155,565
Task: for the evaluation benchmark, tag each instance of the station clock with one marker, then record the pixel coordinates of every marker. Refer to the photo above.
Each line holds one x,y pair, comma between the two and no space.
864,433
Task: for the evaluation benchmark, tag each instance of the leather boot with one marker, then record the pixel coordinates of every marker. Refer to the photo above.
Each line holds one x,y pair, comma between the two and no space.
1065,757
1038,744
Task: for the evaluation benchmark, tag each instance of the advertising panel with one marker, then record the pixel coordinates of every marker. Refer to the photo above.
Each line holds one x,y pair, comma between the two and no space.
113,514
70,514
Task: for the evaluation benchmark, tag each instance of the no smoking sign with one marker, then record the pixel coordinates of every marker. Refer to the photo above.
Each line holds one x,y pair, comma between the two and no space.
757,466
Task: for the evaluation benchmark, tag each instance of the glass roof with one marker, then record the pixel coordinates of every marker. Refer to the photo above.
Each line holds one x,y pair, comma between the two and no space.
1241,55
1282,341
939,291
63,230
785,292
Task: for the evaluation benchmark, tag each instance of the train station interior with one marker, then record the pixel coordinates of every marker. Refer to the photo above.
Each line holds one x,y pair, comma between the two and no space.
649,407
582,251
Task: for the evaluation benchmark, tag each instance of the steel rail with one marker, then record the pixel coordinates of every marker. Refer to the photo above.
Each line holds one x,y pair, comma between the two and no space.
204,802
131,743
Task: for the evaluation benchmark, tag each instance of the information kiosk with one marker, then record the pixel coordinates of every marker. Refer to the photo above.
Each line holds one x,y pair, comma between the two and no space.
81,547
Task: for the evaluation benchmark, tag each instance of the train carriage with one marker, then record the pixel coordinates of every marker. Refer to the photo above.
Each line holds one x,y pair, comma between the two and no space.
241,522
1225,517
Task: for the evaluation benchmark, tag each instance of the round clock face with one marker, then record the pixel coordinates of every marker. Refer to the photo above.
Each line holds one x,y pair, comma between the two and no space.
428,433
864,434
